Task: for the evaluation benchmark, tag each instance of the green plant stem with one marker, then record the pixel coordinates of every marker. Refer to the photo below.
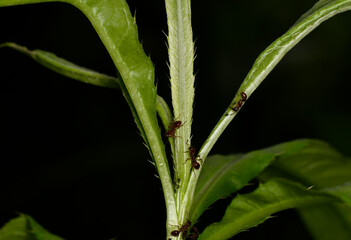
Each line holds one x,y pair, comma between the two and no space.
272,55
264,64
181,57
204,151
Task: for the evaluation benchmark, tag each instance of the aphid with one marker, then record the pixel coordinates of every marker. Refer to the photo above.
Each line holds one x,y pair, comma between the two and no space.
243,96
173,126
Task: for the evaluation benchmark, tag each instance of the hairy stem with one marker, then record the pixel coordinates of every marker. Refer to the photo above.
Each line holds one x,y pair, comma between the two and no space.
181,57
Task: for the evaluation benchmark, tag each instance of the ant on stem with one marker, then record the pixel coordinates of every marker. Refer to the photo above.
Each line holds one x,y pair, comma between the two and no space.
237,107
194,233
183,228
193,157
173,126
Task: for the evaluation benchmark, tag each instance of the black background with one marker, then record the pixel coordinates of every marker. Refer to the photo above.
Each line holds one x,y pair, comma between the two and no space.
71,156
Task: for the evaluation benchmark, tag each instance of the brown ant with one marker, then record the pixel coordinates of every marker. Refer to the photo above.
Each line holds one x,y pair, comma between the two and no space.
192,153
194,233
240,102
173,126
183,228
175,233
195,164
235,109
243,96
193,157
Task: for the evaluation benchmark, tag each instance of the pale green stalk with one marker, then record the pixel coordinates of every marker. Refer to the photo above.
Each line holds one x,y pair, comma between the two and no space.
181,57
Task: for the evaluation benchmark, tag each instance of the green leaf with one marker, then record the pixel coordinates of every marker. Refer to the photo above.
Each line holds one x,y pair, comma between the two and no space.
251,209
66,68
271,56
223,175
265,63
319,165
85,75
327,221
25,227
117,29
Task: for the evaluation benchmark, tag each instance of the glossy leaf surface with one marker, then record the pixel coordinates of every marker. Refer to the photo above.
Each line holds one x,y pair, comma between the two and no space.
25,227
223,175
251,209
321,167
